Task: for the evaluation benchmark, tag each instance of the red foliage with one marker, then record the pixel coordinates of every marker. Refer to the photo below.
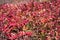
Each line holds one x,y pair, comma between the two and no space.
15,16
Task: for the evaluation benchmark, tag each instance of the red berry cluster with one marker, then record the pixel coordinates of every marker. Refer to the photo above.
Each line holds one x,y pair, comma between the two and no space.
30,21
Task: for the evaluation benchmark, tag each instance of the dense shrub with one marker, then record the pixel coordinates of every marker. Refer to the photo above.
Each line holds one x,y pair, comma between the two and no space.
30,21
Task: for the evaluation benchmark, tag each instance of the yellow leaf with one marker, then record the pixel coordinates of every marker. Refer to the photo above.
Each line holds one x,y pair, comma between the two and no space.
25,28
